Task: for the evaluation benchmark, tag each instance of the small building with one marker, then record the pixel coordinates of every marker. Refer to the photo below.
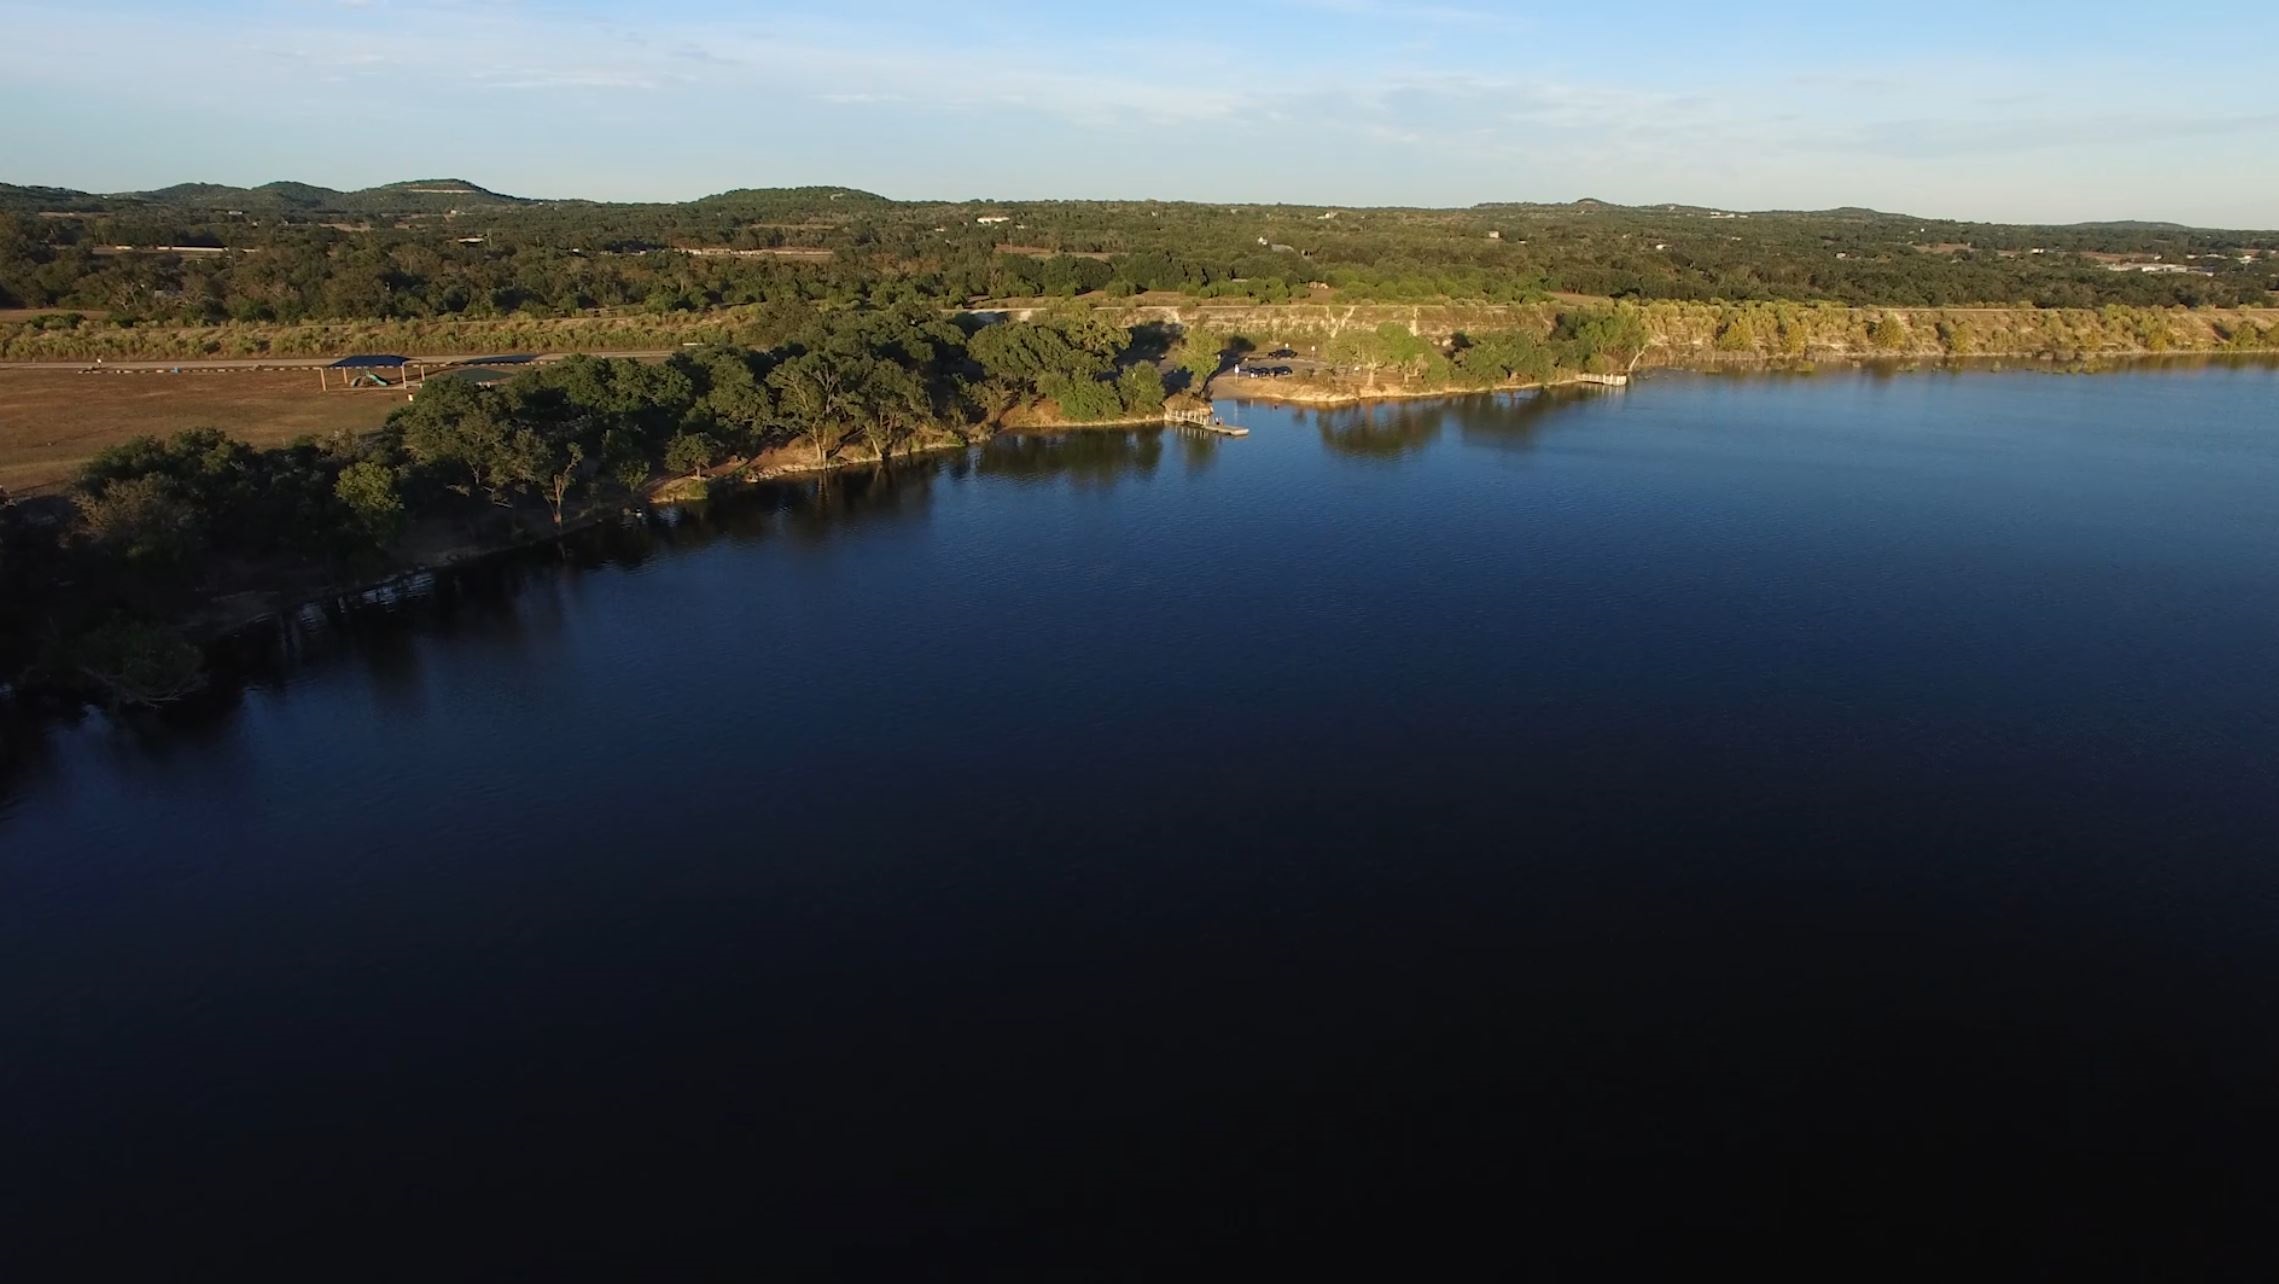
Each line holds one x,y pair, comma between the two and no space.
992,220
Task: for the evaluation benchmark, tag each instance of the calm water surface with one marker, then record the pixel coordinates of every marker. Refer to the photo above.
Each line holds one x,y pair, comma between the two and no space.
1837,810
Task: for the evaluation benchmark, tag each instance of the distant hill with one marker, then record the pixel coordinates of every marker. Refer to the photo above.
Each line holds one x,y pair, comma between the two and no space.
415,196
16,199
2132,225
438,195
1586,204
427,194
1853,214
761,202
1593,205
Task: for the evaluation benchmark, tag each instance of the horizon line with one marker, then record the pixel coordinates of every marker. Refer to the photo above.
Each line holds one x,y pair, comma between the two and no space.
1648,206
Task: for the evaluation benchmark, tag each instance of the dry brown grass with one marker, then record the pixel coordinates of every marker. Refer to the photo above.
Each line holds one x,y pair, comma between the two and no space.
53,421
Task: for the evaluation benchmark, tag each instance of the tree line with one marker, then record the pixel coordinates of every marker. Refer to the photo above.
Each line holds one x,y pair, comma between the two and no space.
554,260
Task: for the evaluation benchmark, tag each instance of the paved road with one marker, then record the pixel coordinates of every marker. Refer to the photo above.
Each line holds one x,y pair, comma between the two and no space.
291,363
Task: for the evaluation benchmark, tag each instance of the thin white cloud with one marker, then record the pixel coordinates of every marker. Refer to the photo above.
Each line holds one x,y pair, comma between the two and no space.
569,78
1398,11
1928,137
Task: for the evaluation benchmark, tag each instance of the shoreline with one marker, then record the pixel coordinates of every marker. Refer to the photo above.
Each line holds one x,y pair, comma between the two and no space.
1304,394
214,624
208,627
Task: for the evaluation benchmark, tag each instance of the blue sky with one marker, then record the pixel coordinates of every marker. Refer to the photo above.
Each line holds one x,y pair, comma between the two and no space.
2016,109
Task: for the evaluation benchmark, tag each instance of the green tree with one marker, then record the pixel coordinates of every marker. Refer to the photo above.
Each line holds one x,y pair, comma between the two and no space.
1201,353
136,663
690,453
458,427
1357,350
1140,390
820,394
1599,341
563,474
1076,345
893,408
368,489
989,400
145,521
1081,398
625,460
1499,356
1737,334
1389,346
528,459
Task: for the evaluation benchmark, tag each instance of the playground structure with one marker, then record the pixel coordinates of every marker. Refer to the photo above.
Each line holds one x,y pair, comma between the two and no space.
365,370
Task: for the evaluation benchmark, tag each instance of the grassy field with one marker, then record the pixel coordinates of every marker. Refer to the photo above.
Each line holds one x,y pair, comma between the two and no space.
53,421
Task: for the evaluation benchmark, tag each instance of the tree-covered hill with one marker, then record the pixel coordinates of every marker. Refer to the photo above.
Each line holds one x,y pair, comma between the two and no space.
446,248
415,196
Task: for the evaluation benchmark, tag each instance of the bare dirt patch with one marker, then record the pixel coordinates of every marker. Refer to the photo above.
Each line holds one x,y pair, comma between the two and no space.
53,421
33,314
794,253
1046,252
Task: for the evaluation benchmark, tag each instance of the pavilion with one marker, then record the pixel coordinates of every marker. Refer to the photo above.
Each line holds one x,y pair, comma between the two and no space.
409,371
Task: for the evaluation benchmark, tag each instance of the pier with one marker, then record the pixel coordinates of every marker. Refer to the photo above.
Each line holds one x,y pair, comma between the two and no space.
1205,420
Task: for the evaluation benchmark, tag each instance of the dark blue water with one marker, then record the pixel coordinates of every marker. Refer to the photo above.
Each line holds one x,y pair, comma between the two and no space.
1834,813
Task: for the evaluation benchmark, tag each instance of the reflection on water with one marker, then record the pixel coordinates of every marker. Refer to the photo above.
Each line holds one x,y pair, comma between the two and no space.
504,603
515,601
1385,430
1397,429
1517,423
1089,458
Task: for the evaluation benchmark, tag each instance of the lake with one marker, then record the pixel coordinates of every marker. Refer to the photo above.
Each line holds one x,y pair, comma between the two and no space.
1835,810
